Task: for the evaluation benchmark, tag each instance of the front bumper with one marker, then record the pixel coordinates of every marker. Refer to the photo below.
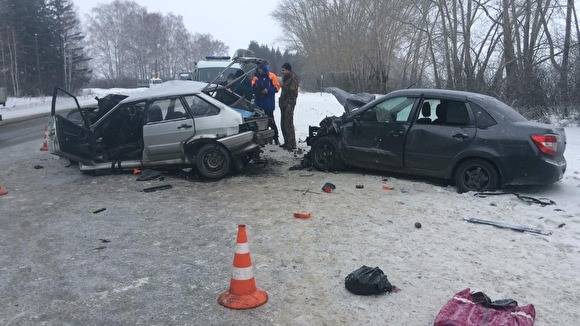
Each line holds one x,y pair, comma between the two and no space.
264,137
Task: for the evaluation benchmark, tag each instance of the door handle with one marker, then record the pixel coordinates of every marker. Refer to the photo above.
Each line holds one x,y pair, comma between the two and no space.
184,126
397,133
460,136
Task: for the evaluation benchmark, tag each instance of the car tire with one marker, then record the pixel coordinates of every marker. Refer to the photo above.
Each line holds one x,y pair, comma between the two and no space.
326,155
476,175
213,161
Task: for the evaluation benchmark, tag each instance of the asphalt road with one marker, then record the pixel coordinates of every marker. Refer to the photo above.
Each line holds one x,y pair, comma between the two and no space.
20,132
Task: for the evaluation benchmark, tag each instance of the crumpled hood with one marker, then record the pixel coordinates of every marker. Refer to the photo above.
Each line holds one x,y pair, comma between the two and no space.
348,100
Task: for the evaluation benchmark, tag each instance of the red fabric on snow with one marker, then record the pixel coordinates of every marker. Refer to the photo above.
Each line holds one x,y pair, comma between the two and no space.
461,311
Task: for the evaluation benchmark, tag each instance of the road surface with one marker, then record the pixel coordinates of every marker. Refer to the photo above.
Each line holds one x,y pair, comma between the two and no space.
16,133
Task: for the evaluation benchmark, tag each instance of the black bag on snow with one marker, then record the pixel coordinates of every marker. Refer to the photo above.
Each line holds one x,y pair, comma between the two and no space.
367,281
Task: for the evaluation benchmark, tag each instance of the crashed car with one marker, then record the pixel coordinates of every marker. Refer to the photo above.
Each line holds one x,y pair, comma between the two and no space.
476,141
175,124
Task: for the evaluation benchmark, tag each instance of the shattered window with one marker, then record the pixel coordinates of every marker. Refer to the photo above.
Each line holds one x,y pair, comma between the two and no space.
396,109
200,108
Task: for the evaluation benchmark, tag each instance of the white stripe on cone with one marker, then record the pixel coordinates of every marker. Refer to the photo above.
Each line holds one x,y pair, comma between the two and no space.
242,273
242,248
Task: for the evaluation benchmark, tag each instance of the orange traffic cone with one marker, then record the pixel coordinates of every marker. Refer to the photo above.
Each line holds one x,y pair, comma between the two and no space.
243,293
44,147
3,191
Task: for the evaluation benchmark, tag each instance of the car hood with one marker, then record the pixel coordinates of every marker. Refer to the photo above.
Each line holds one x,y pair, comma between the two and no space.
348,100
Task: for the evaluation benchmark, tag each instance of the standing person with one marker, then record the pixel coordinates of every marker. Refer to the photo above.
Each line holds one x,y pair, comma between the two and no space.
266,85
287,103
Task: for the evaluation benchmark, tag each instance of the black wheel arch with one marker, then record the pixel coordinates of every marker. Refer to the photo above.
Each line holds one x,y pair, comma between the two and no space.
193,147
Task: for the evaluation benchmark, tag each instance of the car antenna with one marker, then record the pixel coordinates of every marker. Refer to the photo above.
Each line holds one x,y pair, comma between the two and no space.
413,84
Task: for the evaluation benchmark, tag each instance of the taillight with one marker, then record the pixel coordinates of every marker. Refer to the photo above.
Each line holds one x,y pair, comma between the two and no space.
547,144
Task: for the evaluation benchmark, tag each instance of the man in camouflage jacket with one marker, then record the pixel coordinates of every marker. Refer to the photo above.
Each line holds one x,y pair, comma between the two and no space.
287,102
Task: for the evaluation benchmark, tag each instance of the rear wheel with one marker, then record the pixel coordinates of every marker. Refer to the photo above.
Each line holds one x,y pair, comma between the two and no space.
476,175
213,161
326,155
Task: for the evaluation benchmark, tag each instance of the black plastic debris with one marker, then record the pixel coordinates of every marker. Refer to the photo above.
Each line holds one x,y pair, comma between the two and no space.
482,299
528,199
148,175
104,240
328,187
38,167
418,225
360,186
367,281
296,167
157,188
97,211
561,225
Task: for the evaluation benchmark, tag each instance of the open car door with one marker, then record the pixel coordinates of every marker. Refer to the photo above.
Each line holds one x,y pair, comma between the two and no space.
70,139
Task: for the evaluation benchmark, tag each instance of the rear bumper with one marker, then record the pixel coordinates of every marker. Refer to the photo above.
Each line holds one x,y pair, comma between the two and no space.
539,171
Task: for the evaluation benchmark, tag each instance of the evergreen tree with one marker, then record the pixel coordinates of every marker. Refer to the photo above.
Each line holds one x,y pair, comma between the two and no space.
40,47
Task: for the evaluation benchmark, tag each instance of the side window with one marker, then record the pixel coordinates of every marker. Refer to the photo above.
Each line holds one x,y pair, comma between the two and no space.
397,109
482,118
166,109
200,108
443,112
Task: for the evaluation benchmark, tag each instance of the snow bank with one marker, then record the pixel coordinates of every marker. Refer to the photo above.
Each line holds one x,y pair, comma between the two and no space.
311,108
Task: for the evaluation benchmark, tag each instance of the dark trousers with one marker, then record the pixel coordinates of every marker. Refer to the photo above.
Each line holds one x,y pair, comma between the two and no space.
272,124
287,122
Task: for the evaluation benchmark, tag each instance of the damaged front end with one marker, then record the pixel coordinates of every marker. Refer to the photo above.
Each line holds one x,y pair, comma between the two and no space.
332,125
328,126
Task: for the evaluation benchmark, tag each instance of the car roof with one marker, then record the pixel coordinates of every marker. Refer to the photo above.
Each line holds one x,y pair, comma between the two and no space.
168,88
440,92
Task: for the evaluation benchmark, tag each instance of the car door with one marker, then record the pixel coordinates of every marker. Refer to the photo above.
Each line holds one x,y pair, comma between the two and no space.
439,135
70,139
168,124
207,117
376,136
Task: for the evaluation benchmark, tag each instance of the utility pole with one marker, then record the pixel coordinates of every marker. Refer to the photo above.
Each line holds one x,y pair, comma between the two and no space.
157,61
37,62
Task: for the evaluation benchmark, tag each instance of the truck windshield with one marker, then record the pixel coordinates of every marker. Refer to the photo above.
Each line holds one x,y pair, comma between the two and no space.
207,75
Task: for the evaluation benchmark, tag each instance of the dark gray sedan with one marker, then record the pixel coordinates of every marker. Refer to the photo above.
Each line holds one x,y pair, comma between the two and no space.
475,140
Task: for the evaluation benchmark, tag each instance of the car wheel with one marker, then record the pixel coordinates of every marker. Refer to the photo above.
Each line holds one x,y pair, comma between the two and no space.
326,155
476,175
213,161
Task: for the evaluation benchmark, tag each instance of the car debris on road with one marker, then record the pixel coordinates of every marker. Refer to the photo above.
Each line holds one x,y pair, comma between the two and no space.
501,225
157,188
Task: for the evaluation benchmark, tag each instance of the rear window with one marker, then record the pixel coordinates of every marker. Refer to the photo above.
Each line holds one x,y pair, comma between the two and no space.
504,111
482,118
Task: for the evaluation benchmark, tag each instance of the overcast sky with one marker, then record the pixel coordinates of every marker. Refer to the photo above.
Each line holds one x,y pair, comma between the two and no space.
235,22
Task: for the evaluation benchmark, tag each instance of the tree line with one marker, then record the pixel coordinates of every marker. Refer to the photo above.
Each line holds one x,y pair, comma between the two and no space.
41,45
524,51
275,57
129,43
